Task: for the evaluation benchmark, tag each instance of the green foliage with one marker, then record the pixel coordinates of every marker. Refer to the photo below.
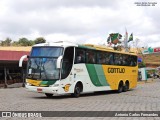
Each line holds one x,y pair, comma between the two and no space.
24,42
15,43
32,42
39,40
148,75
141,65
6,42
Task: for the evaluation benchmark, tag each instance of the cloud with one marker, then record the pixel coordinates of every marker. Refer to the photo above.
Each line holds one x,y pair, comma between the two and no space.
25,5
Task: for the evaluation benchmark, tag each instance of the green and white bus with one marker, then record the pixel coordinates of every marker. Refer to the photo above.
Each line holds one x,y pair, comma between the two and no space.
69,68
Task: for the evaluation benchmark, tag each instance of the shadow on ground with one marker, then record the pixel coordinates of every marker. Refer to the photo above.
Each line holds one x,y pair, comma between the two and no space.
82,95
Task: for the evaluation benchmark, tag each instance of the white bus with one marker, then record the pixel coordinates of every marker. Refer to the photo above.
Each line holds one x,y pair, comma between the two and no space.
68,68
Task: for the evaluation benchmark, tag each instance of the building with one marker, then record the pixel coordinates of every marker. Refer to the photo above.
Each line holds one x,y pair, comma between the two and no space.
10,72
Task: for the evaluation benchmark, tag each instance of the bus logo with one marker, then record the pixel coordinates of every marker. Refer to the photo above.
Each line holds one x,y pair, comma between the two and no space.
6,114
66,87
116,70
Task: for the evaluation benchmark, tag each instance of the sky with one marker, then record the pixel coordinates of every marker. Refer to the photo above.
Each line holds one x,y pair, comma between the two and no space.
81,21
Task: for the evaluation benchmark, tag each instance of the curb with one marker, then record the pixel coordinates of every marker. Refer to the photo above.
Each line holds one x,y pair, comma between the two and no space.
146,81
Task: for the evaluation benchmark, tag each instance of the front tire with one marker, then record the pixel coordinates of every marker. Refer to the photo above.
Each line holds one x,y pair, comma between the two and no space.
48,95
77,91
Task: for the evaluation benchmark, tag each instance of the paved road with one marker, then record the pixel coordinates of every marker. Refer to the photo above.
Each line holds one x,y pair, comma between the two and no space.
146,97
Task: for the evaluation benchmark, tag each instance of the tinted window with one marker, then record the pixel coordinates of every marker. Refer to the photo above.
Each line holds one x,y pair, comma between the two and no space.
125,60
46,51
101,57
80,56
90,56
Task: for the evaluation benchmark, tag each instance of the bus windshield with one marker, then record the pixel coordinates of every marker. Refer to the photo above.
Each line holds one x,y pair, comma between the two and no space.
46,51
42,63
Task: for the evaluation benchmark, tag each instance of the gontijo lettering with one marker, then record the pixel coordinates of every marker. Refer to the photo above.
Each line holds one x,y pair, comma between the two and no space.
116,70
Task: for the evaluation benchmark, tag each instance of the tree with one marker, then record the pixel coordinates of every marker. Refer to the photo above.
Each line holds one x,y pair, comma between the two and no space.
6,42
141,65
31,42
25,42
39,40
15,43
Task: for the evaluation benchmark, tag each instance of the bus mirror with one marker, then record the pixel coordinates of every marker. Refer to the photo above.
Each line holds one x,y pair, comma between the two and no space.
59,62
21,60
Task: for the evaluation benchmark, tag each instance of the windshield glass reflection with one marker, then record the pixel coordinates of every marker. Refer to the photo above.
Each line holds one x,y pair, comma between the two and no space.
42,63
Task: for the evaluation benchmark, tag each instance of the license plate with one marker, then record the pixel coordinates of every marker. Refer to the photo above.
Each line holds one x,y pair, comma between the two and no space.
39,89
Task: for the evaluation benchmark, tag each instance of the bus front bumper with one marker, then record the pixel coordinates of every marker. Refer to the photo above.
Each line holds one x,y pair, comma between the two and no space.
51,90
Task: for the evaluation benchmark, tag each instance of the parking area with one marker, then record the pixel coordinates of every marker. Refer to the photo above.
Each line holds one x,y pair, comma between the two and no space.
146,97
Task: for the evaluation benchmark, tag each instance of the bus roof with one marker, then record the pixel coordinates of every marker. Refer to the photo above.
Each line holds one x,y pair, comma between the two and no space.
104,48
86,46
58,43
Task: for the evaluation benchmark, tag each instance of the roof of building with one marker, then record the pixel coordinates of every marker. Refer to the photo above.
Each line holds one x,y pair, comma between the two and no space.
11,48
7,55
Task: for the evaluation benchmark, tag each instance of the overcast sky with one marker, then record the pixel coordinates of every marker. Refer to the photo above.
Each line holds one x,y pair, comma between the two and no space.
80,21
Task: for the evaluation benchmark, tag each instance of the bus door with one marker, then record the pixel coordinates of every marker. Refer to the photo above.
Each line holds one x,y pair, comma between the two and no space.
67,64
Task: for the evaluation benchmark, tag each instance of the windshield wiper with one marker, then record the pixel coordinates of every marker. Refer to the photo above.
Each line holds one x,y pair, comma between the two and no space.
45,72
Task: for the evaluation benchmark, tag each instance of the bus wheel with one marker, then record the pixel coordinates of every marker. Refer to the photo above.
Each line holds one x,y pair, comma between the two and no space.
120,87
77,91
127,85
124,88
48,95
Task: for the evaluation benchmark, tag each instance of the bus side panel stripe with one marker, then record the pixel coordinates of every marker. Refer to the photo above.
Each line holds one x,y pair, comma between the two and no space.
93,74
101,75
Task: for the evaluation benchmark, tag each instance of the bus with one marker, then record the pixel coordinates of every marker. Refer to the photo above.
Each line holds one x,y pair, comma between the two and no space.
67,68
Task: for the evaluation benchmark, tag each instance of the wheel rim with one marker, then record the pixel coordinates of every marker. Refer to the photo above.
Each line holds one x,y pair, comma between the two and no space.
127,86
120,88
77,90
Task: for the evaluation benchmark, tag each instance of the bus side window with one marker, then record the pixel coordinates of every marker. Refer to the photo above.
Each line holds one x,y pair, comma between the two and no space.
80,56
111,59
90,57
129,60
107,58
101,58
133,61
126,60
98,57
117,59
